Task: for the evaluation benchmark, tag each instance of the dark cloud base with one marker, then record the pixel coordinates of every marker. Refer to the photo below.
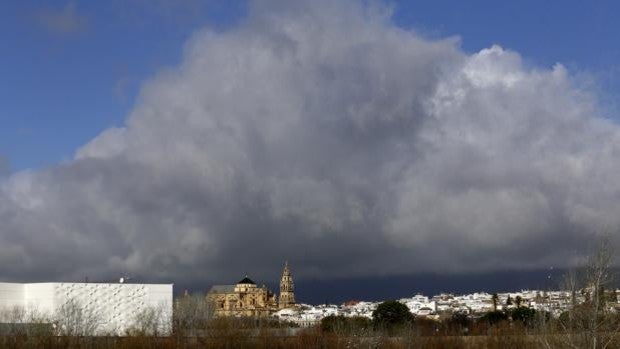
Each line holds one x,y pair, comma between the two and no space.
429,284
336,291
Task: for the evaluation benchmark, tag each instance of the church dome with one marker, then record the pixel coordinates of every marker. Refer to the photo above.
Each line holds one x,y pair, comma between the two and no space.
246,280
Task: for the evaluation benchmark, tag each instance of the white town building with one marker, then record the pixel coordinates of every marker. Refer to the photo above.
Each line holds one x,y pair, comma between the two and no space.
113,308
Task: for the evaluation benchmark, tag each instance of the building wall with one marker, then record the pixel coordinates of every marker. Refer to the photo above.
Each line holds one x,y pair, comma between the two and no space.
40,297
114,306
11,295
245,300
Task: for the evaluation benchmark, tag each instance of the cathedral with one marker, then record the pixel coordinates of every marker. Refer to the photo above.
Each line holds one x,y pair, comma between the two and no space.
247,299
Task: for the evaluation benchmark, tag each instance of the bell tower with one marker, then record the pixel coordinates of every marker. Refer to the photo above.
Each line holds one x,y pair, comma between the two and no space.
287,289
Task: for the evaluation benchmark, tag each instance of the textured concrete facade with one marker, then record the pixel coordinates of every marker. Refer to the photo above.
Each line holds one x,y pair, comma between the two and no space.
114,306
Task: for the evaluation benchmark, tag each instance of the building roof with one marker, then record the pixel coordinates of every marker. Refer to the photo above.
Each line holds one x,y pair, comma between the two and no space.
246,280
222,289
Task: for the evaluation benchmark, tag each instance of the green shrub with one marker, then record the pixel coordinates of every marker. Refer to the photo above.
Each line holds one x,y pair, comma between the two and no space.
390,314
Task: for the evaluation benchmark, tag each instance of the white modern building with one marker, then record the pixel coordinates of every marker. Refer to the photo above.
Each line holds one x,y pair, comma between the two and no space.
113,308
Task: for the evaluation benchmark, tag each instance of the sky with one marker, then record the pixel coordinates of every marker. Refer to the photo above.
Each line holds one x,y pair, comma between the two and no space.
356,139
84,62
50,51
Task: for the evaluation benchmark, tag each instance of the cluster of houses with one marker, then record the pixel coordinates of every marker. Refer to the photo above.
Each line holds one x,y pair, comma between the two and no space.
443,305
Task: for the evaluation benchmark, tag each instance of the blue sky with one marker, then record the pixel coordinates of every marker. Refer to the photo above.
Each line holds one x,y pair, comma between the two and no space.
71,69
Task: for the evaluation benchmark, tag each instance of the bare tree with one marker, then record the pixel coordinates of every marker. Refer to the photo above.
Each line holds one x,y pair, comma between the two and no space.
151,321
191,313
597,319
26,322
591,320
74,319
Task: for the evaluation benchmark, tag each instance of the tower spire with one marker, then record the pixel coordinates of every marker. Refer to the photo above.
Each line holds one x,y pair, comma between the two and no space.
286,271
287,289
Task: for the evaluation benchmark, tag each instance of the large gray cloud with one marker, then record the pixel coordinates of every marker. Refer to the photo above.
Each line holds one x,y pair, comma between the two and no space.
321,133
